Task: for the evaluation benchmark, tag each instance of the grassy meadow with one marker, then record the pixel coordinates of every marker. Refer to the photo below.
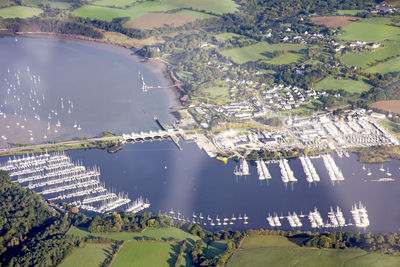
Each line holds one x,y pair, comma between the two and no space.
370,30
392,65
144,254
110,9
91,255
263,51
351,86
114,3
280,251
19,12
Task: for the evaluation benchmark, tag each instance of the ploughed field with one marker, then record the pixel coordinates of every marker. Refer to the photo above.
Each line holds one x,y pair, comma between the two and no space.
280,251
388,105
334,21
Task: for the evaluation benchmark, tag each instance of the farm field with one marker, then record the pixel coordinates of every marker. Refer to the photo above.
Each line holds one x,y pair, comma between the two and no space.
194,14
335,21
154,232
365,58
385,67
280,251
157,20
134,253
19,11
217,7
370,30
351,86
95,252
108,14
263,50
350,12
388,105
114,3
99,10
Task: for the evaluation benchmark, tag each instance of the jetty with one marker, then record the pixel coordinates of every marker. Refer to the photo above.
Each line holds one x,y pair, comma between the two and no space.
59,179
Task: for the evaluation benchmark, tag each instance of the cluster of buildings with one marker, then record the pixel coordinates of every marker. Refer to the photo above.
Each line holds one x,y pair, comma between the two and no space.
356,45
356,128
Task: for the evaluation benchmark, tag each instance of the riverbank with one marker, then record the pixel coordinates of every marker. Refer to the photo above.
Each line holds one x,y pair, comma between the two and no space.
377,154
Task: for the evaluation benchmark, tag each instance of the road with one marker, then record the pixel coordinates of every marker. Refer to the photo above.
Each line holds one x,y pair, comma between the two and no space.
15,149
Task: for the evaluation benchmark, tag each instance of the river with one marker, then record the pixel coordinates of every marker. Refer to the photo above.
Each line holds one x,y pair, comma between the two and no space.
94,87
103,83
189,181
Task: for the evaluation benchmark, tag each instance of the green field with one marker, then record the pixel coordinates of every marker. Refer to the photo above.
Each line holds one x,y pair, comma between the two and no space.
217,92
351,86
227,35
279,251
392,65
98,10
215,248
91,255
263,51
107,13
370,30
19,12
348,12
363,59
218,7
114,3
135,253
194,14
154,232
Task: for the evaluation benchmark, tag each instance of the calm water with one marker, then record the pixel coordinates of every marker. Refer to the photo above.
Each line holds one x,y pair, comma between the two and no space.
42,77
190,181
103,84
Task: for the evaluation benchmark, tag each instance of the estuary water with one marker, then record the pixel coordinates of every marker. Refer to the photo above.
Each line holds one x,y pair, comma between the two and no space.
59,89
189,181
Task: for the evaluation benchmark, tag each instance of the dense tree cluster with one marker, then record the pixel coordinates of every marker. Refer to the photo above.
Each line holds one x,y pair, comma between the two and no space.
29,233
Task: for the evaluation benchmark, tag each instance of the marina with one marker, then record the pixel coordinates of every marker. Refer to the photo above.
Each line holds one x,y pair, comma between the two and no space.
57,178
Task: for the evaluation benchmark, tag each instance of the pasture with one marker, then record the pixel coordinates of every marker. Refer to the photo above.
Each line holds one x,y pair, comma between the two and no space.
157,20
135,253
363,59
19,12
348,85
388,105
153,232
348,12
217,7
114,3
265,51
108,14
104,9
392,65
91,255
335,21
280,251
370,30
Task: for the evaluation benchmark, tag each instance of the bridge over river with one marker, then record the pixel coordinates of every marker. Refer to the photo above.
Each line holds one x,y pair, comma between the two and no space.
76,144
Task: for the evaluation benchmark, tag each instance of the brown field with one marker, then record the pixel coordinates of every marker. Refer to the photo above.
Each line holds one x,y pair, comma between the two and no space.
335,21
388,105
156,20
